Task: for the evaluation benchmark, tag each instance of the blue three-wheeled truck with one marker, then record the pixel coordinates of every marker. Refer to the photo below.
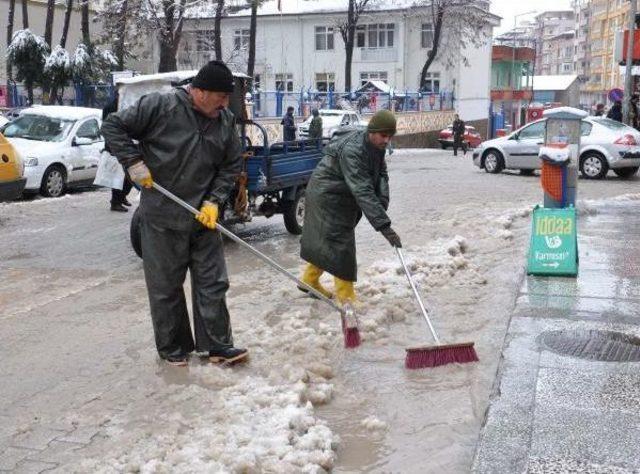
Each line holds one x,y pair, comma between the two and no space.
274,176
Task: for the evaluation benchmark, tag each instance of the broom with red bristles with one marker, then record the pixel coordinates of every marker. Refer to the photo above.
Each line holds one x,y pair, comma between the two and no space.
347,314
440,354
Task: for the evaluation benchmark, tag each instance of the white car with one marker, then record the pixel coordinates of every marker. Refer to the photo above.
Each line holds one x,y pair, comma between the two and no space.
604,145
60,146
334,122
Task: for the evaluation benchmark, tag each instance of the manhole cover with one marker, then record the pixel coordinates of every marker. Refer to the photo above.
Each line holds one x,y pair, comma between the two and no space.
605,346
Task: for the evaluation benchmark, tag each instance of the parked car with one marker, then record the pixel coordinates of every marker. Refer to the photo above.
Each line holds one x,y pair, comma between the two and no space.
604,145
12,178
334,122
471,137
60,146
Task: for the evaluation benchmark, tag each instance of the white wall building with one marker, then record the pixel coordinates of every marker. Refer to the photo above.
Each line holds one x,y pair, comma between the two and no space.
300,47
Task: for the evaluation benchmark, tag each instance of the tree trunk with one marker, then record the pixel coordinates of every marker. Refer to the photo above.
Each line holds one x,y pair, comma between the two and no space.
168,61
67,21
251,62
86,37
29,85
119,46
48,26
348,44
25,15
170,35
217,30
12,10
431,56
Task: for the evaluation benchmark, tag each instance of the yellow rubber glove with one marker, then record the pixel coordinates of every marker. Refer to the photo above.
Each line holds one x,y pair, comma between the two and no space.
140,174
208,216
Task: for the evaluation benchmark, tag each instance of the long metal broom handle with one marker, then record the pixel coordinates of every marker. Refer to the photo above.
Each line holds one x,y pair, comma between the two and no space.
415,292
255,251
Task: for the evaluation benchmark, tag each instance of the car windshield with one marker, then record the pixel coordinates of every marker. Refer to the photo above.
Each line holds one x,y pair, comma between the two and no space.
610,124
38,127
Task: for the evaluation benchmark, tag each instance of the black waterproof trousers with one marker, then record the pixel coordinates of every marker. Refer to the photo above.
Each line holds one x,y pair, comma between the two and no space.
167,254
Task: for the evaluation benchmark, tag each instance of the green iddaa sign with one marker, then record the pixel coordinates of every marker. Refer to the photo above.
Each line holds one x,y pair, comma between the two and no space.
554,242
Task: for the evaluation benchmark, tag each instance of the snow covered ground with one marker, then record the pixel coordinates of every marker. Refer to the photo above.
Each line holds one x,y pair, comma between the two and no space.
72,291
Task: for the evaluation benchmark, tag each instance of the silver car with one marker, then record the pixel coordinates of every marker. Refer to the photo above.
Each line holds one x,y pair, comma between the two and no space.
605,145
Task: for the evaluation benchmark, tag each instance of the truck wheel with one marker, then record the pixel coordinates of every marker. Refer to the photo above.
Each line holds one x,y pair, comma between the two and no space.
134,233
294,214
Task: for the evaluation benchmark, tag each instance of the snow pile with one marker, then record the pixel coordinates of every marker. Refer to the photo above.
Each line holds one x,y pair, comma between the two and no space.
372,423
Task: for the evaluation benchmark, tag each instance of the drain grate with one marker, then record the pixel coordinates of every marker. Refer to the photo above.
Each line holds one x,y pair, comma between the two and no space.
604,346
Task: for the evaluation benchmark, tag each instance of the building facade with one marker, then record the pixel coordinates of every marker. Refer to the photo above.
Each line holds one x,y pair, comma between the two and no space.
550,29
303,50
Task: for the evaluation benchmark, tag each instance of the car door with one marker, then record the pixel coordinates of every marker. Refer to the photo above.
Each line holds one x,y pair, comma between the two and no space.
523,149
89,147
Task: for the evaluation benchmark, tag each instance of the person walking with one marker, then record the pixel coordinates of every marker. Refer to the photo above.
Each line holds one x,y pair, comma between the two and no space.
615,112
118,196
288,126
315,127
197,156
459,129
633,111
350,180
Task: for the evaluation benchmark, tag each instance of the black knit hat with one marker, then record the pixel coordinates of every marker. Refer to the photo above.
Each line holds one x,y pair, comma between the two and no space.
214,76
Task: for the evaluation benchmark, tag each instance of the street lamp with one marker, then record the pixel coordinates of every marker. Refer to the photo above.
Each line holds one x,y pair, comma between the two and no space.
513,62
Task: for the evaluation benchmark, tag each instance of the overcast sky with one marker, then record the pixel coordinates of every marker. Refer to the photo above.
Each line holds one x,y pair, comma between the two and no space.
507,9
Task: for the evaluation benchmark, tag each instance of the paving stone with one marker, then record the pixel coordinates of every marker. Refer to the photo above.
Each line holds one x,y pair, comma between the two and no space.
38,438
59,452
12,456
33,467
81,435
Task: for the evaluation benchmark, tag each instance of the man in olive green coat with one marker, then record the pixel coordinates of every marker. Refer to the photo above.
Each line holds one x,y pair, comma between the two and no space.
351,180
315,127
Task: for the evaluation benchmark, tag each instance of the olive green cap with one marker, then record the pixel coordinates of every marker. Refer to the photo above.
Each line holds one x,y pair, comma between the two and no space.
382,121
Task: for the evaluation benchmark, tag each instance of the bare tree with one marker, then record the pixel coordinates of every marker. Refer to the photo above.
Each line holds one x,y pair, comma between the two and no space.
67,20
48,25
347,30
253,24
12,10
454,26
25,15
217,29
168,23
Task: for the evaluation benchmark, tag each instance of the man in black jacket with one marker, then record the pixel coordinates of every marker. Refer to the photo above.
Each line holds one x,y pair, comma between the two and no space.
188,143
288,126
459,129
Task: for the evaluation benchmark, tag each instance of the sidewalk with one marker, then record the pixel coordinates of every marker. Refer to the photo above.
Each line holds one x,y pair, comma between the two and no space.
573,413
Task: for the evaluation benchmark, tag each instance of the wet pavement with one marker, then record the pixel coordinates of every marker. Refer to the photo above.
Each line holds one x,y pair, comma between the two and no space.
553,412
81,380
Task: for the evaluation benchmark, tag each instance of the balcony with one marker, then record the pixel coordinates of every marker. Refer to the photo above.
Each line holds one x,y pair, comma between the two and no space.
379,54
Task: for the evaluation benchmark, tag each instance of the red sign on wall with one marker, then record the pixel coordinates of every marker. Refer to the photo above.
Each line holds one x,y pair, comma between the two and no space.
636,45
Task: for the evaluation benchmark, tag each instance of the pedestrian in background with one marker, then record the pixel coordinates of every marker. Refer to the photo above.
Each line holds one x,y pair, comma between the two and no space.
350,180
288,126
459,129
185,140
615,112
633,111
315,127
599,110
118,197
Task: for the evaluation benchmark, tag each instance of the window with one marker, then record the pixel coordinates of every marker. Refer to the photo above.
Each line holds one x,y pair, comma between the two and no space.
379,35
241,39
324,38
567,67
533,131
205,40
373,76
284,82
256,81
89,129
585,129
432,82
427,35
325,81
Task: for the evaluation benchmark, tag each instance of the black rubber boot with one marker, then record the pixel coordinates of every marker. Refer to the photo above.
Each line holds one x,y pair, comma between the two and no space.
119,208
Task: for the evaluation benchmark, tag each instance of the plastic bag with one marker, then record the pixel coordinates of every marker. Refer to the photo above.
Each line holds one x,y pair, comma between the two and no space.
110,173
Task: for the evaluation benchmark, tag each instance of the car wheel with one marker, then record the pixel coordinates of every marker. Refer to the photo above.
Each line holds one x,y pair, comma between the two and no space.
293,213
527,172
626,172
493,162
135,233
593,166
54,182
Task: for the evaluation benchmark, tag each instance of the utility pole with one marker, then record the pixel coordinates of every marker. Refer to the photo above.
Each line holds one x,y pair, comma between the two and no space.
628,79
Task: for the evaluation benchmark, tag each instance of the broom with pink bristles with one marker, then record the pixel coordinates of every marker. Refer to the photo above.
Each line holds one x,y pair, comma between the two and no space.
440,354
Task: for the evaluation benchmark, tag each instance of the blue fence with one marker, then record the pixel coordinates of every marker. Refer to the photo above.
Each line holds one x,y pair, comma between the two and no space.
275,103
81,95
